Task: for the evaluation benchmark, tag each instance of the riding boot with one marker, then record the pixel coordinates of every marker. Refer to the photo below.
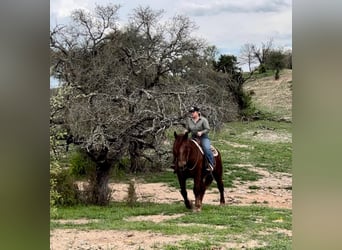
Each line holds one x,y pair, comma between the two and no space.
210,167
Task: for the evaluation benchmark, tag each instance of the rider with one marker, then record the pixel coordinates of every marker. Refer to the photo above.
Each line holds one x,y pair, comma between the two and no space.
199,128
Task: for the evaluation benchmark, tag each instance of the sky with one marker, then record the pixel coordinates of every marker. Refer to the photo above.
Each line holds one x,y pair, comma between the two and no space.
227,24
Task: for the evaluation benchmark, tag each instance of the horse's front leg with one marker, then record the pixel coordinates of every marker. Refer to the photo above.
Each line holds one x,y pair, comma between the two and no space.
182,184
199,190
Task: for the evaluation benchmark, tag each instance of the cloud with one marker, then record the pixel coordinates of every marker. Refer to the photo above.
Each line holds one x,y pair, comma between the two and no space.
63,8
228,24
208,8
60,10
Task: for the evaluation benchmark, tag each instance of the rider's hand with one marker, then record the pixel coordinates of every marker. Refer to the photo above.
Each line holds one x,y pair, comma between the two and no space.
199,133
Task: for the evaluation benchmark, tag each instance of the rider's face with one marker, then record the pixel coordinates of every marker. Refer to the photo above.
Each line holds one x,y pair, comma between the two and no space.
194,114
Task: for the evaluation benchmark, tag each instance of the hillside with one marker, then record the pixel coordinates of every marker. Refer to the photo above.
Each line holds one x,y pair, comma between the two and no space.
271,95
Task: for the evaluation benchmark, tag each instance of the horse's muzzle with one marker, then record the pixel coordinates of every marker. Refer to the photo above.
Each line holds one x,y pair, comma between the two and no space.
181,164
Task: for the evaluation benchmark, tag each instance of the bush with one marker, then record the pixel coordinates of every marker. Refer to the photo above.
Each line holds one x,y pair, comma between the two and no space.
262,69
80,164
131,194
54,195
63,189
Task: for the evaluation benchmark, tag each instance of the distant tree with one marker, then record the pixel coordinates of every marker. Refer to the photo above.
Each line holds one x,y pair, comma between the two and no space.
122,88
275,61
266,56
261,53
210,54
228,64
288,59
247,55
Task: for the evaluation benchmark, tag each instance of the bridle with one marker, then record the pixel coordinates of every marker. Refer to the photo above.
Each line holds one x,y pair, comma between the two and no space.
187,159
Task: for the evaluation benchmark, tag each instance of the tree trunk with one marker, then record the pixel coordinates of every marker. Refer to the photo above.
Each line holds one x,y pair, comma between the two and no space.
277,76
99,191
134,156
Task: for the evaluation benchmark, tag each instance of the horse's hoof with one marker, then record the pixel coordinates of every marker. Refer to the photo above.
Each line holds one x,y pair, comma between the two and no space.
197,210
188,205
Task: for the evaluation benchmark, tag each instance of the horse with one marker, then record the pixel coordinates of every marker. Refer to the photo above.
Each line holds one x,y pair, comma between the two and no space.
190,162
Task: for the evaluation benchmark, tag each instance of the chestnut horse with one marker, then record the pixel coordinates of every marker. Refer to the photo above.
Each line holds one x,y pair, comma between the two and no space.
189,162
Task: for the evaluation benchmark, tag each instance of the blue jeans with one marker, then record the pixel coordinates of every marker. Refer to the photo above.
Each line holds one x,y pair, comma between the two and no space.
206,148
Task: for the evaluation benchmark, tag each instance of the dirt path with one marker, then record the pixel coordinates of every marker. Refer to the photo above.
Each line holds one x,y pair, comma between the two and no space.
274,190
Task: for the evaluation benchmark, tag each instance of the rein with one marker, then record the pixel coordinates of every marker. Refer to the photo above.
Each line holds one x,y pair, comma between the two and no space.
187,159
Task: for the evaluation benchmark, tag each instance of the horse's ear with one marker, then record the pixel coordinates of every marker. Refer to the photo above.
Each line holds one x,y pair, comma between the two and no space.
175,134
186,135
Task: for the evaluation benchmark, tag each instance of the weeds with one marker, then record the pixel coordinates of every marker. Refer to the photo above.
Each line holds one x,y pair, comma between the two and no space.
131,194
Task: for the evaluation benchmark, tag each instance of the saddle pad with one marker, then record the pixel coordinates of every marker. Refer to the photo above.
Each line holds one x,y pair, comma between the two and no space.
212,148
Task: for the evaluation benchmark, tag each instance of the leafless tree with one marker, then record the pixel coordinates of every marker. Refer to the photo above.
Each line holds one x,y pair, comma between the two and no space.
261,53
247,55
251,53
123,88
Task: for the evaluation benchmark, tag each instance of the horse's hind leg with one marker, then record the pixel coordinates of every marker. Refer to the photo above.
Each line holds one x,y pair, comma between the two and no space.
218,173
220,187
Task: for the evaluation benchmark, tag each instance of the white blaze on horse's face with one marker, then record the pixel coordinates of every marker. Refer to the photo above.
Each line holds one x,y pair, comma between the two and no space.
182,157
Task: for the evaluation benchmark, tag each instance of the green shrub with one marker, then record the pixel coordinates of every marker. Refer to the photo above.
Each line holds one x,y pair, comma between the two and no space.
54,195
262,68
64,191
247,109
124,163
80,164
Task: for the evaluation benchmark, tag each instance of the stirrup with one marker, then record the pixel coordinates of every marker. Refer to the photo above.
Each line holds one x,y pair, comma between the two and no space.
210,167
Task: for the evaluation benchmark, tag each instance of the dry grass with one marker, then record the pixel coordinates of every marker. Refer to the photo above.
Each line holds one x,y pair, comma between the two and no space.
273,96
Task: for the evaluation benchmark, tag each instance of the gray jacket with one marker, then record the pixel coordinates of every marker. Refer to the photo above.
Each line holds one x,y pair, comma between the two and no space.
202,125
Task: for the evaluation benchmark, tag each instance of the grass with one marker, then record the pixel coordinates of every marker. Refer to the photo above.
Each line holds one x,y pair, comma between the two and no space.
214,226
258,75
240,147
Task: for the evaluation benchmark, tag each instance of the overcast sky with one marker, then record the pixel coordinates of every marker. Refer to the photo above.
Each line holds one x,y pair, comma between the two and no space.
227,24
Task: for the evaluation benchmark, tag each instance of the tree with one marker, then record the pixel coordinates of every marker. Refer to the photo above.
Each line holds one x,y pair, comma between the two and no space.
247,55
261,53
288,59
228,64
276,61
122,88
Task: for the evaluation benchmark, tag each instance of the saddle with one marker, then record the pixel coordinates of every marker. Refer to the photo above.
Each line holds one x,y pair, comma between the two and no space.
198,144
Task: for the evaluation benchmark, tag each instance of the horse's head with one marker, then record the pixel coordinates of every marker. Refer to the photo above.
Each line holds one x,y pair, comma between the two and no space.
180,150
